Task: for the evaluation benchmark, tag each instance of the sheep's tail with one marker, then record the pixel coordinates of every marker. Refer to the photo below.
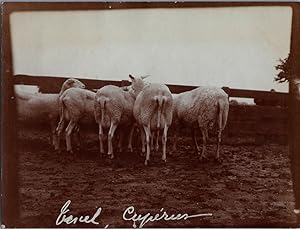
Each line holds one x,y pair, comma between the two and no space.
102,102
160,100
222,114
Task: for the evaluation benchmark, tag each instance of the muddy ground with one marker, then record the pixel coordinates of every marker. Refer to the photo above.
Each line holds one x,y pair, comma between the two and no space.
252,186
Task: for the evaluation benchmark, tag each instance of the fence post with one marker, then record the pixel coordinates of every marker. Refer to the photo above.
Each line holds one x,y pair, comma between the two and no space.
294,109
10,188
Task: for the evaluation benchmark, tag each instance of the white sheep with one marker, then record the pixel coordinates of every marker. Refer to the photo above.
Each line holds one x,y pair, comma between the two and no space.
24,95
152,110
113,109
75,105
203,107
43,107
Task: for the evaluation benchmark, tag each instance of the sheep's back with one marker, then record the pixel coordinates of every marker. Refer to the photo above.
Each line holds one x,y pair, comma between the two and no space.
127,116
145,107
199,106
39,107
79,103
119,104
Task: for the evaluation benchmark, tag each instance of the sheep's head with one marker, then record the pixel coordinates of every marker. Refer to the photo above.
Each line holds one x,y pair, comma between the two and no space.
137,84
69,83
74,83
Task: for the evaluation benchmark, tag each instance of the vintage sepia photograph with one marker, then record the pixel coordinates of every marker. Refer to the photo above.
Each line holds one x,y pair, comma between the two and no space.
154,114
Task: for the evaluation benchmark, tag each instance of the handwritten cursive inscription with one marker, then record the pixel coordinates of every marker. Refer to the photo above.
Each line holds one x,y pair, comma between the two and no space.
130,215
70,219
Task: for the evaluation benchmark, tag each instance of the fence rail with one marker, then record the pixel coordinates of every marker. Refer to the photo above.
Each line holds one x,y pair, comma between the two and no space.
50,84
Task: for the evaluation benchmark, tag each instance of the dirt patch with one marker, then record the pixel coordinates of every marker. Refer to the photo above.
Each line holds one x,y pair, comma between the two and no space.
252,187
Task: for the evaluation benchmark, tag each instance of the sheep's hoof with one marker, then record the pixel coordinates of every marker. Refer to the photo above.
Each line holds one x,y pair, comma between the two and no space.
146,162
130,149
218,160
203,158
111,156
72,155
70,152
164,160
58,151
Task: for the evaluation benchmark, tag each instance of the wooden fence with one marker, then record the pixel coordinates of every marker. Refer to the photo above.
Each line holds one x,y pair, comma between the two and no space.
50,84
266,121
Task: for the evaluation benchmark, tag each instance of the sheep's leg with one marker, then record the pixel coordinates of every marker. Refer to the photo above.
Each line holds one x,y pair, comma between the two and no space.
148,136
69,131
143,136
101,136
130,149
204,138
59,130
218,145
77,131
164,143
156,142
113,127
155,137
53,133
197,148
120,142
174,145
152,140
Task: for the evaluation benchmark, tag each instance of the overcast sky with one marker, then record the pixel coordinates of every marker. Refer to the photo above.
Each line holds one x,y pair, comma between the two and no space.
235,47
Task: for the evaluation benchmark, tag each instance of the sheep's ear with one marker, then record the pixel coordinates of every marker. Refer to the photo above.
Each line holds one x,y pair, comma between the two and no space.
131,77
144,77
71,81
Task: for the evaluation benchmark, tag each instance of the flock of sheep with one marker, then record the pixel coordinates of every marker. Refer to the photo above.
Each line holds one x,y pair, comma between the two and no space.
150,107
